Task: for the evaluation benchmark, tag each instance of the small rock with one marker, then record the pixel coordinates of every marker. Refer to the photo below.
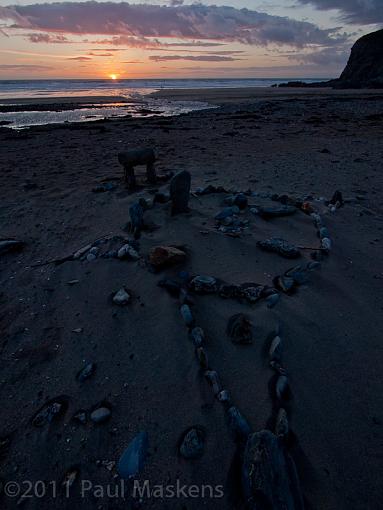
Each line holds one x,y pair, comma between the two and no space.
272,300
193,442
326,244
90,257
51,411
163,256
187,315
323,232
86,372
212,377
253,294
198,337
100,415
226,213
204,284
127,252
285,284
132,460
121,297
281,387
238,424
240,329
279,246
80,416
224,396
275,352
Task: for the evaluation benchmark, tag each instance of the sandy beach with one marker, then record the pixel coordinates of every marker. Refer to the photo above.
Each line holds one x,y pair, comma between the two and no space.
54,319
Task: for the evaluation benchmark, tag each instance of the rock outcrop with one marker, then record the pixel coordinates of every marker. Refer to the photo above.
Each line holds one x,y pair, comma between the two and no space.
364,69
365,66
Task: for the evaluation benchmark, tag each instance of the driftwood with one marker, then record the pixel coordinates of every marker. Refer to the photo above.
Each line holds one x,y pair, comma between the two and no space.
73,256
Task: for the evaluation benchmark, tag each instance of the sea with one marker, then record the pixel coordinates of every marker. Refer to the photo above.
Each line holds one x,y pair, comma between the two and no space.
136,103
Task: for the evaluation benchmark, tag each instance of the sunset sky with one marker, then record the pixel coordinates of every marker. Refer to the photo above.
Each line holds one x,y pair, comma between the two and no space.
182,39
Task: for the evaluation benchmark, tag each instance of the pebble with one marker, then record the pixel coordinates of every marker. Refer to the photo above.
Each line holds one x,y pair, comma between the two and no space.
326,244
198,336
127,252
121,297
212,377
323,232
223,396
86,372
281,387
80,416
193,442
272,300
226,213
187,315
284,283
253,294
204,284
90,257
100,415
238,424
275,352
311,266
47,414
132,460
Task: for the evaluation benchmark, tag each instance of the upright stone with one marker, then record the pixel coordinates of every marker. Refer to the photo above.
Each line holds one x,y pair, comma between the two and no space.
180,192
269,476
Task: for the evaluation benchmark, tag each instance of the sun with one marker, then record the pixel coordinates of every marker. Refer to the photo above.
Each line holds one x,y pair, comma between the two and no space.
113,76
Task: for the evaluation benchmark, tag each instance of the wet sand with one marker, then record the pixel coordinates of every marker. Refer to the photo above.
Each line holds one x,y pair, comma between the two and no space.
308,145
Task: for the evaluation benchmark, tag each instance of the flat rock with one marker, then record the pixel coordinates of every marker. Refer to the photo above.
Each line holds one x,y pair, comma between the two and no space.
276,212
164,256
280,246
100,415
132,460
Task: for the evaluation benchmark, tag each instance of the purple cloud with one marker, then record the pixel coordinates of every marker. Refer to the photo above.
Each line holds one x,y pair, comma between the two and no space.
22,67
47,38
136,22
195,58
354,11
79,59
